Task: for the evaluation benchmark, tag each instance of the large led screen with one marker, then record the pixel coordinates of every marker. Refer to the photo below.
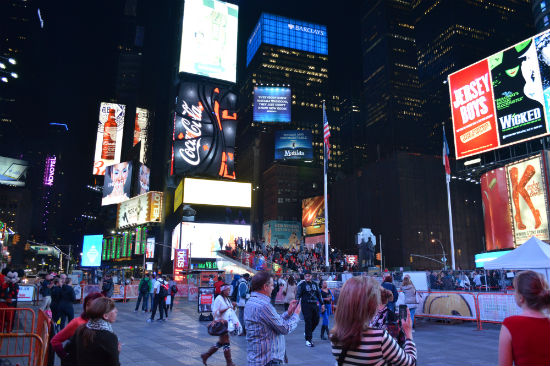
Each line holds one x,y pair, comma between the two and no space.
272,104
109,136
118,183
503,99
140,210
496,210
286,234
482,258
205,124
91,250
313,215
203,239
13,172
141,133
217,193
293,145
528,199
143,177
209,39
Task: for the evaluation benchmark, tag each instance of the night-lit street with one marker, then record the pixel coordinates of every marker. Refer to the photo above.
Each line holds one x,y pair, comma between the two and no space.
348,183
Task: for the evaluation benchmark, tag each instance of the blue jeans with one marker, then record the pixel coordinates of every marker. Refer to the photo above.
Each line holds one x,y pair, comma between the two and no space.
412,311
145,297
324,315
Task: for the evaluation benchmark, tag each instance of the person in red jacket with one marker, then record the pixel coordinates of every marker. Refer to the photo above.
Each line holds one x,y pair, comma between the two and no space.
69,330
218,285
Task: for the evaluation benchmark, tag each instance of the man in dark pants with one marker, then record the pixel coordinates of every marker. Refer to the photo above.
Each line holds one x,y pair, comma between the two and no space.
159,299
310,296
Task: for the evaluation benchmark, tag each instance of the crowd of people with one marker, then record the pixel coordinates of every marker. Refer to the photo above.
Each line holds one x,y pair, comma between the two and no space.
470,280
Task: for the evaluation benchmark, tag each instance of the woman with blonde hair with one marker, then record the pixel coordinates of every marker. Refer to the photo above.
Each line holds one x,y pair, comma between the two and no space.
525,339
354,342
410,295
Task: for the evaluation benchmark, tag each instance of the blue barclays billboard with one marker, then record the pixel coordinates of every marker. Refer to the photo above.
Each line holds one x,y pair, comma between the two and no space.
286,32
272,104
293,145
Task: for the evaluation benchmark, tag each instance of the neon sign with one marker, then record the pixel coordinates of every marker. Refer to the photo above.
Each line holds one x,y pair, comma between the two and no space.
50,170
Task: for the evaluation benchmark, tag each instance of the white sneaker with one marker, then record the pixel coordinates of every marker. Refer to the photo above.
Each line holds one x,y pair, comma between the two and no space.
309,344
149,320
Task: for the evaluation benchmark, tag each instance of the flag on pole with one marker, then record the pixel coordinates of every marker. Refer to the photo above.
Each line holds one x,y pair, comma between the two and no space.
326,133
446,163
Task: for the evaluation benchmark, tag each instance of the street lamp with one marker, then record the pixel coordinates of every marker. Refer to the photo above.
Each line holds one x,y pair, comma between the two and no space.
444,259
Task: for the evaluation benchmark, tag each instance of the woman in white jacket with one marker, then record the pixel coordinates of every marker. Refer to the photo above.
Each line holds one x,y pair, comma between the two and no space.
289,291
410,295
223,309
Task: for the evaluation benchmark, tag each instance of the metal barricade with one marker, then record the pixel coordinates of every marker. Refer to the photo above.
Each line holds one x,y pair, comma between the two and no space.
21,347
495,307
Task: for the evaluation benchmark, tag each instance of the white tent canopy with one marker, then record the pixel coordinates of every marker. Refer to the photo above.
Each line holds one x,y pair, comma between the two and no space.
534,254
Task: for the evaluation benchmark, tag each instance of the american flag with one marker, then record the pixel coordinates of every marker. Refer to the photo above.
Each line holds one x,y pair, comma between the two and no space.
326,133
446,163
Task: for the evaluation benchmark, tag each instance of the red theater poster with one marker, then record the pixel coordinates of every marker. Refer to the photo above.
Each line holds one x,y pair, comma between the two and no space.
496,210
474,121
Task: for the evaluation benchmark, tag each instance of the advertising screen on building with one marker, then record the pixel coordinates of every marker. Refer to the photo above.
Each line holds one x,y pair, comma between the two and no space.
91,250
49,170
13,172
141,133
482,258
528,199
118,183
287,234
217,193
178,195
140,210
313,215
293,145
272,104
205,124
203,239
496,210
209,39
143,177
503,99
109,136
150,249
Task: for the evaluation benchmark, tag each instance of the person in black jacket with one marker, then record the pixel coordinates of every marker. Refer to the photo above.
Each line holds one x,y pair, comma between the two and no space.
56,298
310,296
67,298
95,343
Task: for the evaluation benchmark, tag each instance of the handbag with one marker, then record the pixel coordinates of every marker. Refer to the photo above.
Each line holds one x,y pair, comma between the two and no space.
217,327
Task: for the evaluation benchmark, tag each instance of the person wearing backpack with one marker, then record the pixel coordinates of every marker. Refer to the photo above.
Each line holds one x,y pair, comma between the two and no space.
143,293
241,297
160,291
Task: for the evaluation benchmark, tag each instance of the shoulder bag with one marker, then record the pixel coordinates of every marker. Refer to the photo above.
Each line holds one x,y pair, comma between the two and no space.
217,327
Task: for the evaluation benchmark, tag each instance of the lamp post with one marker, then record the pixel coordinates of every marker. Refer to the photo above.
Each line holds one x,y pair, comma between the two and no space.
444,259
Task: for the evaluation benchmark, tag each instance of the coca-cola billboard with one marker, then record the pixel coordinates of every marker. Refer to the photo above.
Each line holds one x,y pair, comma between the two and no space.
205,124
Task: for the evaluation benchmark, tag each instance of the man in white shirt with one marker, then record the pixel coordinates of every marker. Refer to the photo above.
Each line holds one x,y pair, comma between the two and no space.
159,299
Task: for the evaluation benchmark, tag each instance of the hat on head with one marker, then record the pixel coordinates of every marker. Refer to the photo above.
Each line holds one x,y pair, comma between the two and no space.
307,271
225,287
246,275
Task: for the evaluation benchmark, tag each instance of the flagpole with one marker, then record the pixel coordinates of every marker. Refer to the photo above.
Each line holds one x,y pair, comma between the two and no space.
325,164
451,231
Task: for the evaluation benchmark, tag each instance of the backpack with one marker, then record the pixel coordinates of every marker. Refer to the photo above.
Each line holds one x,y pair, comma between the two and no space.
163,291
174,289
144,288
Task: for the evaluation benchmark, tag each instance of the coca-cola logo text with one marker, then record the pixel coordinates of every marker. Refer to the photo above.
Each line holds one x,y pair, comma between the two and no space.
193,132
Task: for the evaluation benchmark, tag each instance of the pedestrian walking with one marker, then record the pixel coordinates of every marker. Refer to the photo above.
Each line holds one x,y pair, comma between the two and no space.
143,293
525,338
243,293
289,291
354,342
326,295
310,298
56,299
223,309
410,296
95,343
67,332
152,290
173,291
108,287
46,292
159,302
388,285
265,329
66,301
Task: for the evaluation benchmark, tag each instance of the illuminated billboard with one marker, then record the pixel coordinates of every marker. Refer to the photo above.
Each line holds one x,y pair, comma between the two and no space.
289,33
109,136
141,133
502,99
143,177
91,250
272,104
293,145
496,210
313,215
118,183
203,239
528,199
286,234
217,192
49,170
205,124
209,39
140,210
13,172
482,258
178,195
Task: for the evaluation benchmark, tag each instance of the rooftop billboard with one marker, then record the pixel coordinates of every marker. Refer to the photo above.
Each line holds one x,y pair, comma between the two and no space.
13,172
272,104
108,145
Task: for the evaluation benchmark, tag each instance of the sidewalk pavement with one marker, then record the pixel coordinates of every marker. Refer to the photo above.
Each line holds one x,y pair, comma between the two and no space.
182,338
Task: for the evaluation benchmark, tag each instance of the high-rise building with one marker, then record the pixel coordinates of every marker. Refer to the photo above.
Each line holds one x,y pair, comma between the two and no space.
292,53
541,14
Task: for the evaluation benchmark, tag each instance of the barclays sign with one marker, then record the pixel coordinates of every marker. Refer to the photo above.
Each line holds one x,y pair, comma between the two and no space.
302,28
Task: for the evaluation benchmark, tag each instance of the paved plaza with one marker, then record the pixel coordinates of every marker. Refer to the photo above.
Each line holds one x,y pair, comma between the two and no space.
181,339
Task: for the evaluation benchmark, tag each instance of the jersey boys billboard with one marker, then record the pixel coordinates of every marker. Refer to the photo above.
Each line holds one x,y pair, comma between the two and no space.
501,100
205,124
